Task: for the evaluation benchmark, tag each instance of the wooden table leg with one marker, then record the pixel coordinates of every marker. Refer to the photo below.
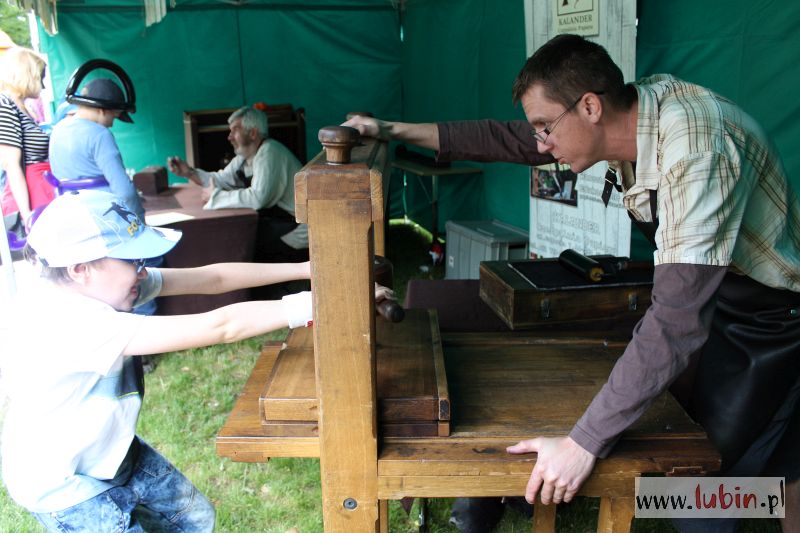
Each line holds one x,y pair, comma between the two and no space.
544,518
435,208
615,515
383,516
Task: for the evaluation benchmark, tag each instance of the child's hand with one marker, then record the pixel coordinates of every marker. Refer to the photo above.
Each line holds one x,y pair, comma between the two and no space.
298,309
386,305
383,293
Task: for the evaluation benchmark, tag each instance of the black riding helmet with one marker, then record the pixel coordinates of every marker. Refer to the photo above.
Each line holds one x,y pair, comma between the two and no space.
103,93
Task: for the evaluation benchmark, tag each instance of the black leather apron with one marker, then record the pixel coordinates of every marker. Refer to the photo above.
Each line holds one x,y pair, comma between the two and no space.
746,386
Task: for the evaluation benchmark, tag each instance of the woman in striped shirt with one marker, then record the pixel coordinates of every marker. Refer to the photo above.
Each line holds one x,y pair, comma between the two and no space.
22,142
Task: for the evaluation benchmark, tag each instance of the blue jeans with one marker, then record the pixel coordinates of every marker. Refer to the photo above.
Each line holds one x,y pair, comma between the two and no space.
155,496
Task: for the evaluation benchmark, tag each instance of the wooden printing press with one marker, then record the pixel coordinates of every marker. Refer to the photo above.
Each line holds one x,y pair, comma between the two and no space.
398,410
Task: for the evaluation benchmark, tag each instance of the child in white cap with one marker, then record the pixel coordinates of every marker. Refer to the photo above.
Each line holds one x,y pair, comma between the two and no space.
70,453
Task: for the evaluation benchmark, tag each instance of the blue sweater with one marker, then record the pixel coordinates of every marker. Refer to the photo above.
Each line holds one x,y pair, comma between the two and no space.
81,148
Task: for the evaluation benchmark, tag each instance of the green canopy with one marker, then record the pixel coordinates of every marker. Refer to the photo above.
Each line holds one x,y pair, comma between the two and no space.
412,60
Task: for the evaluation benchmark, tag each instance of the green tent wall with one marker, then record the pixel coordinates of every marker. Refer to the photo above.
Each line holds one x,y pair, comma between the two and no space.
210,56
435,60
460,58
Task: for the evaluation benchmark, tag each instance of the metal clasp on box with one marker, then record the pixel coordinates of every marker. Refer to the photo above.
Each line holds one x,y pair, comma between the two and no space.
544,307
633,301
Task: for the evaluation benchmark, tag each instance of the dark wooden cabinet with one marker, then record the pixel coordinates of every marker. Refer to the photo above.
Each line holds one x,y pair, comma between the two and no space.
206,134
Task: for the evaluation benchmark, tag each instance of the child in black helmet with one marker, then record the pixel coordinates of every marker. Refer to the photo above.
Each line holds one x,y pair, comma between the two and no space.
83,146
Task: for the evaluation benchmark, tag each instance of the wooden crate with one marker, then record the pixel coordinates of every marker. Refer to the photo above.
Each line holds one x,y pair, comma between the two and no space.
413,400
522,304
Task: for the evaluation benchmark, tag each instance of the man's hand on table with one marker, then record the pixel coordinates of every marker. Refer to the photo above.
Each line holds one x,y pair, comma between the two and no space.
561,468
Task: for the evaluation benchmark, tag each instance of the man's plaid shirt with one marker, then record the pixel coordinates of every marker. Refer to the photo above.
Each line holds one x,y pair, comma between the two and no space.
723,195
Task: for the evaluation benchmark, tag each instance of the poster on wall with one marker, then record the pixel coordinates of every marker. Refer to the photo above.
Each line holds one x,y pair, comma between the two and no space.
576,16
567,212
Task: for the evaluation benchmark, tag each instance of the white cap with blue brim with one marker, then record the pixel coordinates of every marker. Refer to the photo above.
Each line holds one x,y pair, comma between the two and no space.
85,225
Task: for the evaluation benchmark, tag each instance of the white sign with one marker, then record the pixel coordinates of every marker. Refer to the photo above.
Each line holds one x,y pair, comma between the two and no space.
576,16
710,497
567,212
574,215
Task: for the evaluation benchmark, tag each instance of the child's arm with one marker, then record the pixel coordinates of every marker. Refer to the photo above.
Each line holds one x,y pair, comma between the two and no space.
225,277
158,334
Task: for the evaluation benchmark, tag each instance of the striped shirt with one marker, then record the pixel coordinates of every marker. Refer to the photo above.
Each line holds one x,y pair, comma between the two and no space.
17,128
723,195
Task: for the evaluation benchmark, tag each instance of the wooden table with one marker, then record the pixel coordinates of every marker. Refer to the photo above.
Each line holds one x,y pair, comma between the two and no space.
433,173
209,236
503,387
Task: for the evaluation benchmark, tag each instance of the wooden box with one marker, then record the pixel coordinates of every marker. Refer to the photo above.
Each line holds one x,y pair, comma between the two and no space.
151,180
537,293
413,400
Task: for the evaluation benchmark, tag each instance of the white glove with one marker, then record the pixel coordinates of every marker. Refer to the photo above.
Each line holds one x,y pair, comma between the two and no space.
298,309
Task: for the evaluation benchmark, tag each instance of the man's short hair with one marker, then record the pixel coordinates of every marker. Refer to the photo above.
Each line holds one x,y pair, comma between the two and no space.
568,66
252,119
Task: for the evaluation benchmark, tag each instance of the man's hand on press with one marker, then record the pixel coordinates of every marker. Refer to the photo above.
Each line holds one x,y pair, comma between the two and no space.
561,468
370,127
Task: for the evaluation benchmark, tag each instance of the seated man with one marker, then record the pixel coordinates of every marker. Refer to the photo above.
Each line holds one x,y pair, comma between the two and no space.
261,177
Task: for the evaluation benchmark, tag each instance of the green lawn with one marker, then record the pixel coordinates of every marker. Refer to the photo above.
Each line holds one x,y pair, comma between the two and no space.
190,393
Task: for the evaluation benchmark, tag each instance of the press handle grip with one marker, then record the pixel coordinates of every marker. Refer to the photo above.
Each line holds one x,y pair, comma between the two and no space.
391,310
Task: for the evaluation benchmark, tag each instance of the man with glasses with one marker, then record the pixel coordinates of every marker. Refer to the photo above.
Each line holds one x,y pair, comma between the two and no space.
700,178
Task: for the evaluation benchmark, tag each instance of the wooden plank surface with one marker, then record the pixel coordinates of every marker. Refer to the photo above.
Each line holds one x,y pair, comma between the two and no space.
411,380
286,428
243,438
476,466
290,392
408,384
517,387
507,388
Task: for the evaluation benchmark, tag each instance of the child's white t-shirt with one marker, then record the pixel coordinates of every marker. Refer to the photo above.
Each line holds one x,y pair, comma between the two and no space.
74,399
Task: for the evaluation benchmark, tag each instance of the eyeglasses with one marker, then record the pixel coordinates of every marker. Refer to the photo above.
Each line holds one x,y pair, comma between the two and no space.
138,263
545,132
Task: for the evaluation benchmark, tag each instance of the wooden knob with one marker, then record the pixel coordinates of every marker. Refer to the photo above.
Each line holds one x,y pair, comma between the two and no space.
338,142
352,114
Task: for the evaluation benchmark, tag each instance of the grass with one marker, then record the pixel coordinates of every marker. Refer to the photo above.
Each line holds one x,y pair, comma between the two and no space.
190,393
